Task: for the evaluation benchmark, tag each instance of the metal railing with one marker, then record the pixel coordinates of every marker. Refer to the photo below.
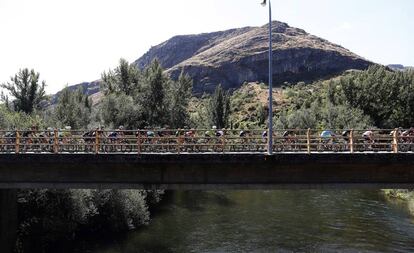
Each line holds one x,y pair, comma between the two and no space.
202,141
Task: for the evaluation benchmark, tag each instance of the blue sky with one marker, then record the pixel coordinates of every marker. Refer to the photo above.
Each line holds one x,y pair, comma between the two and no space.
73,41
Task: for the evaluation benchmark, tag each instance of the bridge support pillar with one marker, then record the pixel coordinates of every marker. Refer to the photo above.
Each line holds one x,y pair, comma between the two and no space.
8,220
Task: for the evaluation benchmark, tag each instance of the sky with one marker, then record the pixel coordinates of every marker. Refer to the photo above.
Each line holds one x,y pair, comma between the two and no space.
73,41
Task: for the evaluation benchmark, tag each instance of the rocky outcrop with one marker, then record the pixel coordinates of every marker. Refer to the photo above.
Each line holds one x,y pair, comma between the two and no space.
400,67
236,56
88,88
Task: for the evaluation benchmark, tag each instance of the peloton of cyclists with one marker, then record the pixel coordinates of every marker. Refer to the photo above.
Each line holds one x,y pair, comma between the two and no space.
34,139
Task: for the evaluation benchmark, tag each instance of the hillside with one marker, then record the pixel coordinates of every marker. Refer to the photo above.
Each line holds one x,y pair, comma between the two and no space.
400,67
88,88
236,56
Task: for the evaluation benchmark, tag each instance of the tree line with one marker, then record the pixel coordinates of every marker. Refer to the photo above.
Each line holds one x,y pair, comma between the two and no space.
132,97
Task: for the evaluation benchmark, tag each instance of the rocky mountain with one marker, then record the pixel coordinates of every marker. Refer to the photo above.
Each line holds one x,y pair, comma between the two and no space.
88,88
236,56
399,67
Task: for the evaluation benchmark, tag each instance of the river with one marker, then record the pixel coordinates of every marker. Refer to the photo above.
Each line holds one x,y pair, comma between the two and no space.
271,221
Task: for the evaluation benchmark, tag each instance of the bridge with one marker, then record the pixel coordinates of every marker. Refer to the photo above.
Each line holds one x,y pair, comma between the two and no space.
205,159
198,159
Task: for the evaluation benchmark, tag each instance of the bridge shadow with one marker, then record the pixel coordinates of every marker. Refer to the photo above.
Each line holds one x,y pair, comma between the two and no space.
8,220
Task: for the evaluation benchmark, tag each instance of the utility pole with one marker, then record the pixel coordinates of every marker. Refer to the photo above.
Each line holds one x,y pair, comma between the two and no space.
270,126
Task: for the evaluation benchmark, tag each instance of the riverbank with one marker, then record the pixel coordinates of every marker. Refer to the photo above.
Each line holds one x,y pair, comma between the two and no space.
49,219
401,194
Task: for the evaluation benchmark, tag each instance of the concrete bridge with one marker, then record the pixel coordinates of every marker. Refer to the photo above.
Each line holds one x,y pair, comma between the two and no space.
302,160
208,171
205,159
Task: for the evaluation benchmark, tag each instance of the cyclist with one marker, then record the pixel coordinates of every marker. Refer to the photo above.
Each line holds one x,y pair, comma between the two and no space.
327,138
45,139
397,131
66,136
346,136
243,134
150,134
220,133
368,138
407,135
113,139
264,135
288,139
210,133
407,138
190,133
120,131
10,138
244,137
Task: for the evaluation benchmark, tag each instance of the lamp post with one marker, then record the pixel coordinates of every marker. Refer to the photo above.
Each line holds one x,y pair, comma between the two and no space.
270,126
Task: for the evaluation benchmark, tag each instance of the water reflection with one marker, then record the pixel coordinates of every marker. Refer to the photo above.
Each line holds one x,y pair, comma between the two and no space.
269,221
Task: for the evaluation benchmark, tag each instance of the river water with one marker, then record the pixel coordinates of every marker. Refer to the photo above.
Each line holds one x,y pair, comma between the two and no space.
272,221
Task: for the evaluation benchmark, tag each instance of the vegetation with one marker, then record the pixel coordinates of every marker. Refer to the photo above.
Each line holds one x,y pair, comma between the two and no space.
315,107
123,79
11,119
59,214
180,99
219,108
249,106
141,99
211,110
403,195
26,90
383,95
73,109
376,97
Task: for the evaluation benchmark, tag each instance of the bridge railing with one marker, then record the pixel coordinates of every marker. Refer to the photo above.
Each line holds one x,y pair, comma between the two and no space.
202,141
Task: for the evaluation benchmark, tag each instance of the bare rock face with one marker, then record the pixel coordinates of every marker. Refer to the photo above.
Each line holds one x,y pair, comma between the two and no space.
88,88
236,56
400,67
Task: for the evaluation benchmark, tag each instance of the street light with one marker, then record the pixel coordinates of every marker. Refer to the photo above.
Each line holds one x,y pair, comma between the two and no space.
270,127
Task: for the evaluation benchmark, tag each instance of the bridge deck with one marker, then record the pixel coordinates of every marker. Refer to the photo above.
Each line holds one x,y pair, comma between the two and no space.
205,159
207,171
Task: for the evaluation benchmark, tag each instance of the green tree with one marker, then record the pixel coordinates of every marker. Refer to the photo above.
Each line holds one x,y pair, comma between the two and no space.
343,117
26,90
181,92
73,109
383,95
261,114
116,110
154,98
120,210
219,107
17,120
303,119
125,78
